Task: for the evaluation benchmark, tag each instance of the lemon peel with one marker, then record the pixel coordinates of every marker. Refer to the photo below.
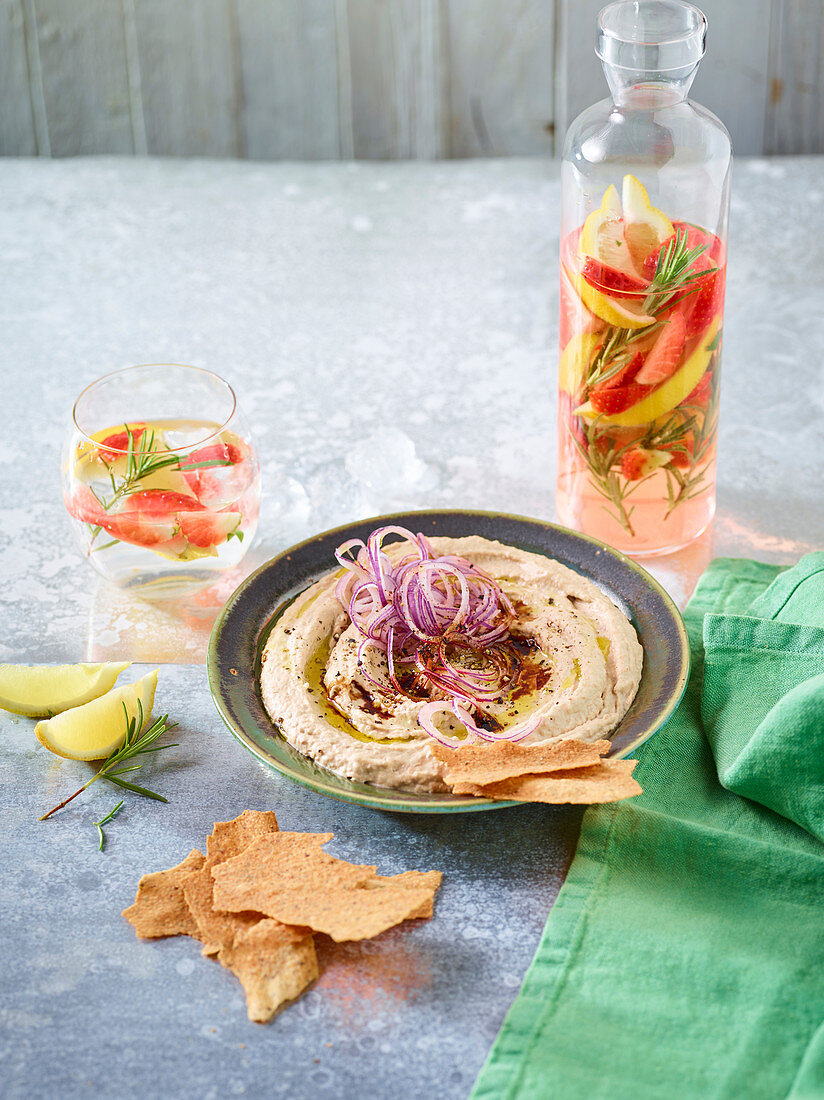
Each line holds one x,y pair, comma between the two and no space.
575,359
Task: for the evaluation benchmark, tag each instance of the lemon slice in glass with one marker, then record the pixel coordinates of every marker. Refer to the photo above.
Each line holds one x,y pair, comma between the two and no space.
94,730
40,690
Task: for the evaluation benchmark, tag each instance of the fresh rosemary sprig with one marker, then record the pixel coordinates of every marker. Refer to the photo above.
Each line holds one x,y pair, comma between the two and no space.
673,280
103,821
145,462
604,479
686,484
137,743
672,273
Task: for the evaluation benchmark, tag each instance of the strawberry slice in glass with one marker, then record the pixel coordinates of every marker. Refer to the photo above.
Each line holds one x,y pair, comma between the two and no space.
206,528
224,474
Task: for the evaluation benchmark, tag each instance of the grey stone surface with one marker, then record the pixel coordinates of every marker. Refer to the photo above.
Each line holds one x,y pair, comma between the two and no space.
393,318
356,308
87,1009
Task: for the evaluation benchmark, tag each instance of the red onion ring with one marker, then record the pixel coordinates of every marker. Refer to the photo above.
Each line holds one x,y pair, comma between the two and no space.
426,600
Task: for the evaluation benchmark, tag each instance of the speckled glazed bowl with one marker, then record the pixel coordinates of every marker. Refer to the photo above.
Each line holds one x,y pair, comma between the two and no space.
242,628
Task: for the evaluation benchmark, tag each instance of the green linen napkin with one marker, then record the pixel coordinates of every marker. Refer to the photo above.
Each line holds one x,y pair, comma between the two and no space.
684,957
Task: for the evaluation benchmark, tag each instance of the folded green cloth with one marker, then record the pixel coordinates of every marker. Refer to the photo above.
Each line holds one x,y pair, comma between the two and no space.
684,957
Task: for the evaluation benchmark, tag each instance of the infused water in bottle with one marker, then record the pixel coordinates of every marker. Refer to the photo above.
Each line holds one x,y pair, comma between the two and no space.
645,203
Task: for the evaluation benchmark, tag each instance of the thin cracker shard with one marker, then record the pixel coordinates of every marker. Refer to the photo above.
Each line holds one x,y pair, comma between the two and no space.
215,929
494,762
229,838
609,781
428,880
289,877
160,907
274,964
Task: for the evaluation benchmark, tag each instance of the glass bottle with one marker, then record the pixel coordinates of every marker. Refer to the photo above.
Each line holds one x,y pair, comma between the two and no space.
645,203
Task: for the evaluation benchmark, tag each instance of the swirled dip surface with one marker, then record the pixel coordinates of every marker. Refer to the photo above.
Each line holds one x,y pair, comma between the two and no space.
578,665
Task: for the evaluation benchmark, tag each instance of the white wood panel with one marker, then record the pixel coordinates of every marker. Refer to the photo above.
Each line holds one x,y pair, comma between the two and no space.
732,80
795,112
84,76
395,78
500,60
17,133
189,76
290,79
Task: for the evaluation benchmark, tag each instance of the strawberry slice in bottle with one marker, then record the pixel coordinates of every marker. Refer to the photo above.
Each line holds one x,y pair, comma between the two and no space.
624,376
616,399
701,307
664,357
610,279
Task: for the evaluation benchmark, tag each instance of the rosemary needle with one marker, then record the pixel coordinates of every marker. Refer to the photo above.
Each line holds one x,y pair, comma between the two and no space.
103,821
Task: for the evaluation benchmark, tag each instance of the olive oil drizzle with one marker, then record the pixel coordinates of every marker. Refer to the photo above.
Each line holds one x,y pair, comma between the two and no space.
315,669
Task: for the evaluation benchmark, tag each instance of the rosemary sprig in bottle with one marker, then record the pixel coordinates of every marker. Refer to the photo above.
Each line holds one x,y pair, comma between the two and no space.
672,281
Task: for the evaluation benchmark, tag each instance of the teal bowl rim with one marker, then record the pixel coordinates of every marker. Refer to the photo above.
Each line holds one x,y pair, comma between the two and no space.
444,804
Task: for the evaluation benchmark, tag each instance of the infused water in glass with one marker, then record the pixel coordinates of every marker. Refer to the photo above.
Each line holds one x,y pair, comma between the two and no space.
160,478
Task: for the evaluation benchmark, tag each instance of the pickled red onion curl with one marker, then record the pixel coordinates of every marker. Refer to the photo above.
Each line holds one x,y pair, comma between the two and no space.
418,608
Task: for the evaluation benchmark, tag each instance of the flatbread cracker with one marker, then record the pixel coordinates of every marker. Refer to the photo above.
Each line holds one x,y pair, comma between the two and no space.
274,963
215,929
257,898
428,880
160,907
228,838
609,781
495,761
289,877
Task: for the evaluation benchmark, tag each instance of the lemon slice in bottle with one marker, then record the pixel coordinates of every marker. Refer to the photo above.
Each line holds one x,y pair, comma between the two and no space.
575,360
40,690
94,730
645,226
603,238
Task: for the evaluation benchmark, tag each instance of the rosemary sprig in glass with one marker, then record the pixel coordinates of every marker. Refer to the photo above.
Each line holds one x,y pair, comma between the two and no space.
140,465
138,742
145,462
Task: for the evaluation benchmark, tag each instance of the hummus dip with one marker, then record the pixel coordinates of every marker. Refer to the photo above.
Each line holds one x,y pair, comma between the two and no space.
577,659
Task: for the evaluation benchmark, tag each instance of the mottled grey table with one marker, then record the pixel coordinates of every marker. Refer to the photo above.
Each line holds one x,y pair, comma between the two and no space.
391,332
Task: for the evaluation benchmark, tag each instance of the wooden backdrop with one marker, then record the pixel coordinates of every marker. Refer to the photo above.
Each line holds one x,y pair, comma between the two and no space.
329,79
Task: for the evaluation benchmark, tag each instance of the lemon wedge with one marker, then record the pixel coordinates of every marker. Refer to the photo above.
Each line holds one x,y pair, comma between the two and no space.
40,690
609,309
94,730
645,226
598,221
575,360
603,238
664,398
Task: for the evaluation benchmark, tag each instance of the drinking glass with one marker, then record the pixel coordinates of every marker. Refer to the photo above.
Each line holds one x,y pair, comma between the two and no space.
160,478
